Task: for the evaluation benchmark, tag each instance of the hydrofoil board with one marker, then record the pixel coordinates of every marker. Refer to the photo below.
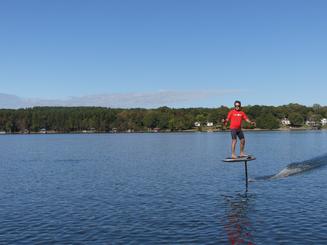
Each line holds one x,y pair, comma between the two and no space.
240,159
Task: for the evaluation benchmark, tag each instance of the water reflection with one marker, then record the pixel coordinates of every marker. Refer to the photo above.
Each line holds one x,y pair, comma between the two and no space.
237,223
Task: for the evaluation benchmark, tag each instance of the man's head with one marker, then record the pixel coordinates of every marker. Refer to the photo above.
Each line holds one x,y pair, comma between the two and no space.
237,105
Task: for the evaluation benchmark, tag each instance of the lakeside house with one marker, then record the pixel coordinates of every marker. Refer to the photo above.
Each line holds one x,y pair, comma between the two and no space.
311,123
88,131
153,130
43,131
209,124
197,124
285,122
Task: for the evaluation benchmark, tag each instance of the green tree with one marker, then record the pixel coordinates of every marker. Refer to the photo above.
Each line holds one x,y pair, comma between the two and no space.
151,119
200,118
267,121
296,119
316,108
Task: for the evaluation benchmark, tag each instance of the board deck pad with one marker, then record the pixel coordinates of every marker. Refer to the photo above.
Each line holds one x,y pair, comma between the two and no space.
240,159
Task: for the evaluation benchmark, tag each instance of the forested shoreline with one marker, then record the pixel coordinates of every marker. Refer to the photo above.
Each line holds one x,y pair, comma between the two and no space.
99,119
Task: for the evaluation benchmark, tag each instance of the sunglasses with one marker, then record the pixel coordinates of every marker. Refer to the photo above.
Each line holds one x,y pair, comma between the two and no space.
237,105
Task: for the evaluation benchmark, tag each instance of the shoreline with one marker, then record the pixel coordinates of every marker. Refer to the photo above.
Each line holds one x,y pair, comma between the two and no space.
167,131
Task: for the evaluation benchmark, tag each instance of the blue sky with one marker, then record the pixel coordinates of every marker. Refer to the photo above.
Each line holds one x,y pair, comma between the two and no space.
261,52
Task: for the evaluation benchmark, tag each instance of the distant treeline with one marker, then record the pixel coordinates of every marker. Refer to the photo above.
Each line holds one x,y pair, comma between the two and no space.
76,119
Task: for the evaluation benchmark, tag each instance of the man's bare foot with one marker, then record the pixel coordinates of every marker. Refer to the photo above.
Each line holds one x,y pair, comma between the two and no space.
234,156
243,155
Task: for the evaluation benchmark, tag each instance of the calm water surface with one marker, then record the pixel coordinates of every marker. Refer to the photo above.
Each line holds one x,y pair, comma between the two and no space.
162,189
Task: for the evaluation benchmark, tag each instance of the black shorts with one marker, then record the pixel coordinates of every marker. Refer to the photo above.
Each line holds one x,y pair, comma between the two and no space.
237,133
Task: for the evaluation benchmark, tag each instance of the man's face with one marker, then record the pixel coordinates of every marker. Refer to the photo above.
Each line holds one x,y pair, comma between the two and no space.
237,106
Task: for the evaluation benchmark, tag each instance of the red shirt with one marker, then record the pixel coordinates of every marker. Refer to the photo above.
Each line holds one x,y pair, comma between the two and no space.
235,117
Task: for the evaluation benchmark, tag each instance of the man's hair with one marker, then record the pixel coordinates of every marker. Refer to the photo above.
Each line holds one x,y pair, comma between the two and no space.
237,101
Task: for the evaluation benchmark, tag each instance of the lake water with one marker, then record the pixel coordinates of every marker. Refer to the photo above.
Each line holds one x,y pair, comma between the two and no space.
163,189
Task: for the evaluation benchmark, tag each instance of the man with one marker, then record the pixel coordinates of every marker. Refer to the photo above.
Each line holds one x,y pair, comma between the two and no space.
236,116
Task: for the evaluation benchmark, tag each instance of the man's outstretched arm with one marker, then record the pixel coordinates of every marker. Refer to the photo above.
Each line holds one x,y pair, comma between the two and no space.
225,121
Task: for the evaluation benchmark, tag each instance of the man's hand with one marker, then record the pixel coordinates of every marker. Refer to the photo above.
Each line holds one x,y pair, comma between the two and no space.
253,123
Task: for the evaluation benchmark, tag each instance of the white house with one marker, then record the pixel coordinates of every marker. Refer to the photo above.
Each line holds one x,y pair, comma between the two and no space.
209,124
309,123
197,124
43,131
324,121
285,122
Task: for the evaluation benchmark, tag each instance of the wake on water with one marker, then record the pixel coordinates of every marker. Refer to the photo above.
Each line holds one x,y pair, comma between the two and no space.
298,168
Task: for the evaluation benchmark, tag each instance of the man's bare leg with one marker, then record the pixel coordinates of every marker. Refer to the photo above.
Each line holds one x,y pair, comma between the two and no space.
234,141
242,145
